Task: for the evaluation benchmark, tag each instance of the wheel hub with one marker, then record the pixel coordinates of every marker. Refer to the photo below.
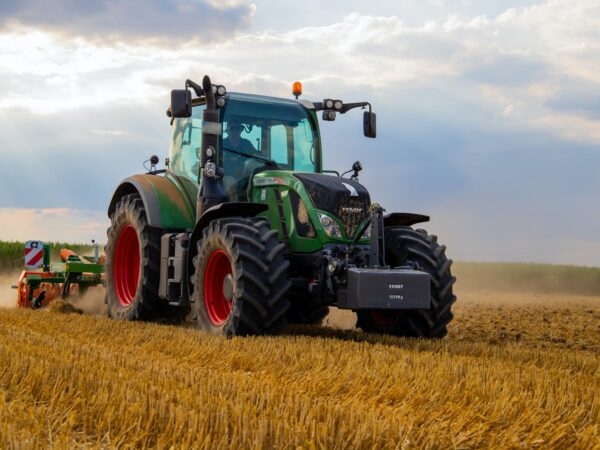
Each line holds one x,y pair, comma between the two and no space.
228,287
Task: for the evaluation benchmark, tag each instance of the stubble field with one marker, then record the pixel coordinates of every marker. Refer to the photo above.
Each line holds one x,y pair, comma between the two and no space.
516,371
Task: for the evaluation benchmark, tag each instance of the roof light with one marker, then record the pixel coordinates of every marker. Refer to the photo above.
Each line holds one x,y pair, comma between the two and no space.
297,89
329,114
210,169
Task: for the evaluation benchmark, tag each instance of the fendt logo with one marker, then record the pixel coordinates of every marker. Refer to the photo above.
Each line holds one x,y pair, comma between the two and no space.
351,210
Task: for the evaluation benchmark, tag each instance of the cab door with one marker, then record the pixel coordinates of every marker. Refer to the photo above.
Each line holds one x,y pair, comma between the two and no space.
184,163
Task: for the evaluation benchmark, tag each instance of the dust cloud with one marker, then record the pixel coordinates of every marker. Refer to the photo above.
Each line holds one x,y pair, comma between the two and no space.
340,319
8,296
523,277
92,302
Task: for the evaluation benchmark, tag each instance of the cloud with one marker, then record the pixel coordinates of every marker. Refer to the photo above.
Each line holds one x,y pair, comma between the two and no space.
53,224
489,123
514,64
109,132
114,20
575,96
77,159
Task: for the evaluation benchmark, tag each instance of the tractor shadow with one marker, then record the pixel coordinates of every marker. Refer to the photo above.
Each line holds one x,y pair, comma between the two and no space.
358,336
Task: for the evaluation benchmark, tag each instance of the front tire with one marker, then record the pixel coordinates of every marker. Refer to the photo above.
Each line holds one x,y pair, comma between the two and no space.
132,263
240,279
405,246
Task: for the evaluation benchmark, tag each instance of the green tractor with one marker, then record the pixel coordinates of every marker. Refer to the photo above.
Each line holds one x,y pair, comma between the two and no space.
247,232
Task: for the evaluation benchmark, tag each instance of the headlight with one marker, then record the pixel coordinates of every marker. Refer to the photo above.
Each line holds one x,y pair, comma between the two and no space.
330,227
325,221
328,103
335,232
338,105
329,114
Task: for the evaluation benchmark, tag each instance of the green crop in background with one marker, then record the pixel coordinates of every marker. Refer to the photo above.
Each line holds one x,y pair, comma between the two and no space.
12,253
518,277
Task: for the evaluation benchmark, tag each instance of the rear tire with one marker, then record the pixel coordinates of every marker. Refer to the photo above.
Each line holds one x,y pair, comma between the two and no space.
405,246
240,278
132,263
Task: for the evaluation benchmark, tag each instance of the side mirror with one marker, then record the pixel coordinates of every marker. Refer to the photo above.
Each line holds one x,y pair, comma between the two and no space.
370,124
181,103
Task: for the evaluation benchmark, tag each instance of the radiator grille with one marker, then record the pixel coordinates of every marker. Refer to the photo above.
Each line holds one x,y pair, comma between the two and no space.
352,212
332,194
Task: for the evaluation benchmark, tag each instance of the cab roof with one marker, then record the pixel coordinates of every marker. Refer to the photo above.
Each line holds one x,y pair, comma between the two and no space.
261,99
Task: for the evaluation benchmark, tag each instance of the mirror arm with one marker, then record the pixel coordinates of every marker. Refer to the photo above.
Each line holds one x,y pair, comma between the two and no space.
348,106
345,108
196,87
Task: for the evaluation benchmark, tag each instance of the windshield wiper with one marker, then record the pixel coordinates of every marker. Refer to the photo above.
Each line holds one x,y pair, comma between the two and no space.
248,155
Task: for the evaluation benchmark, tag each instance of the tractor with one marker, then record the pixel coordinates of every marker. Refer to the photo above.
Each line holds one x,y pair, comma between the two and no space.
244,232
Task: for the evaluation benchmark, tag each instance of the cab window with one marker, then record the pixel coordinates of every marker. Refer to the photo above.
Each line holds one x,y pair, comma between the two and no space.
279,145
186,140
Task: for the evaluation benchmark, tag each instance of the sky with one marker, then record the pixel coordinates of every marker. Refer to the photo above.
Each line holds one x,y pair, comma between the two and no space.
488,112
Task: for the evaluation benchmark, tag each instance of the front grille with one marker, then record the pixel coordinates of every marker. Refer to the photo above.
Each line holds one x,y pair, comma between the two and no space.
332,194
352,212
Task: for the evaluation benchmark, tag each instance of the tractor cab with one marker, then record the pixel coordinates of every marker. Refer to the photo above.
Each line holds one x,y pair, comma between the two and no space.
258,133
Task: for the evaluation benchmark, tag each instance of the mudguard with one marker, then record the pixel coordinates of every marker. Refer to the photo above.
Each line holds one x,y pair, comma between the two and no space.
231,209
225,210
166,204
403,219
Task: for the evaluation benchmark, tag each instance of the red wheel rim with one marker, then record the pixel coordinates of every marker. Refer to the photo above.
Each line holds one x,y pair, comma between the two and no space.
218,307
126,265
383,319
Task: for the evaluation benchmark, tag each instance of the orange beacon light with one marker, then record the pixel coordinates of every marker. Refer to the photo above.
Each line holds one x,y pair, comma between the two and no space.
297,89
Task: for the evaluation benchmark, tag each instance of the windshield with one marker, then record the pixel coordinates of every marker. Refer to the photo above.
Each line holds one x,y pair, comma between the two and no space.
256,132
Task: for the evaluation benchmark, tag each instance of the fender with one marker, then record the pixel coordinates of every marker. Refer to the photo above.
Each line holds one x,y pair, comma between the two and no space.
166,205
219,211
403,219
